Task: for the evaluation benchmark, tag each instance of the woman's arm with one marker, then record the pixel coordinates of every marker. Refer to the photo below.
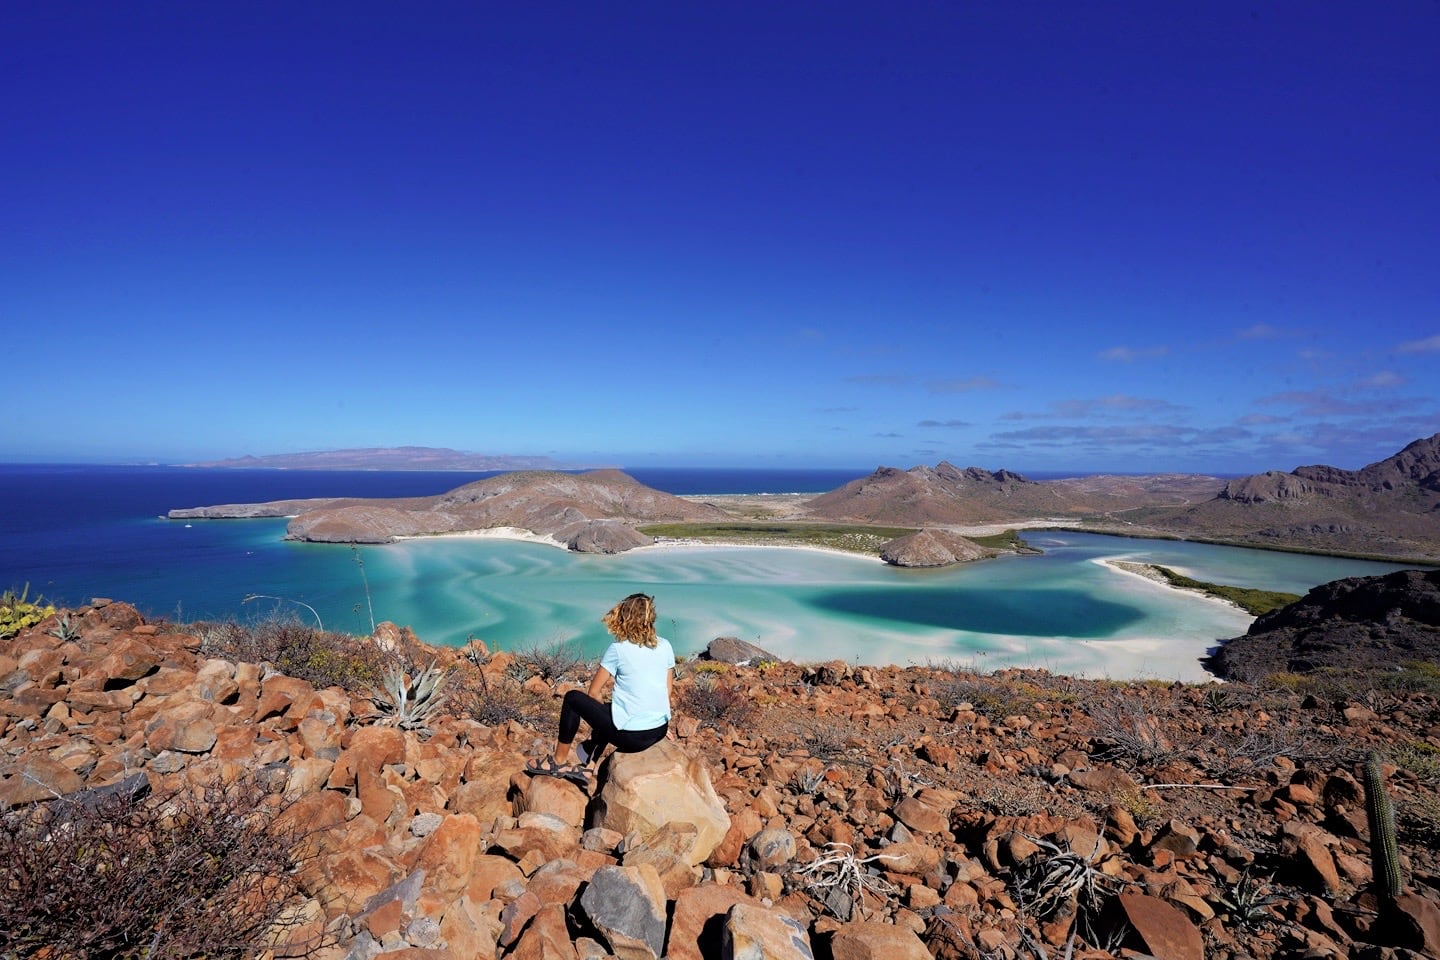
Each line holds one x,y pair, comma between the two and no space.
598,683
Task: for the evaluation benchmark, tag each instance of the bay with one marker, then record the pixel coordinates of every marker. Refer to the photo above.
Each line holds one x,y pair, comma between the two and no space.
78,532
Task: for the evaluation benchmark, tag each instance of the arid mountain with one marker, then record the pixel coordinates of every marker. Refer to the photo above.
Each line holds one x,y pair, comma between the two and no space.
1390,508
590,512
946,494
384,458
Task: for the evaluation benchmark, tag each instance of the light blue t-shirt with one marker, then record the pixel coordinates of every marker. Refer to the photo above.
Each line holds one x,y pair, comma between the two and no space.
641,699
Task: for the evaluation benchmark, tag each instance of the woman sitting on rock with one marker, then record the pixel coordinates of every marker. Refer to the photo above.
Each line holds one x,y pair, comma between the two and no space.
642,665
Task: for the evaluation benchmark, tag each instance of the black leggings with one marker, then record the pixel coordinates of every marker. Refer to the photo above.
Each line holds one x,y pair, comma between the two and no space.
579,705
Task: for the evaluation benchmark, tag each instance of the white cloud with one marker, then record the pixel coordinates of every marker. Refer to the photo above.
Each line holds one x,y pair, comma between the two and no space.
1383,380
1428,345
963,386
1125,354
943,423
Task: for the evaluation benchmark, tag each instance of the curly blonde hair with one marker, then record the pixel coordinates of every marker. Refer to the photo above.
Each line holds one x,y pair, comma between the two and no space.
633,620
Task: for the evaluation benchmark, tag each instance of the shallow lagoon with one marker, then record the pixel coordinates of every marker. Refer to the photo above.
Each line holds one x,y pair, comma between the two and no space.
1065,611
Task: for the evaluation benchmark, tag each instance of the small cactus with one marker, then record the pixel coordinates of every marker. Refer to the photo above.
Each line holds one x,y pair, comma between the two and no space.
1384,852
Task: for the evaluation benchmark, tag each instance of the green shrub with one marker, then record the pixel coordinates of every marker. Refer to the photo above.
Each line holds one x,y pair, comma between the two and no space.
18,612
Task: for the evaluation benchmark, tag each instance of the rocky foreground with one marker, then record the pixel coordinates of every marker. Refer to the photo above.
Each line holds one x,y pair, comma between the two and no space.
802,811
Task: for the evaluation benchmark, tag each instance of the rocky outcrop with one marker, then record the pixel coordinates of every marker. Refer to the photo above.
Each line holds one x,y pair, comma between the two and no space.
862,813
1365,622
932,548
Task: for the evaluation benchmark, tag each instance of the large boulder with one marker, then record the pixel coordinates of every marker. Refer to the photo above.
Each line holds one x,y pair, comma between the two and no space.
644,791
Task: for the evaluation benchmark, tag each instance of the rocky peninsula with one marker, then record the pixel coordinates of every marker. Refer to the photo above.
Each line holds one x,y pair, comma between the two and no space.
934,515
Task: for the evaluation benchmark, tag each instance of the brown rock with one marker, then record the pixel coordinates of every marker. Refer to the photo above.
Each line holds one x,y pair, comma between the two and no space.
36,777
872,940
1414,922
697,927
552,795
1162,930
918,815
448,855
1103,778
126,660
546,938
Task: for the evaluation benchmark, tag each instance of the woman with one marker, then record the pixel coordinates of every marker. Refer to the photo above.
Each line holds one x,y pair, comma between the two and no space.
642,665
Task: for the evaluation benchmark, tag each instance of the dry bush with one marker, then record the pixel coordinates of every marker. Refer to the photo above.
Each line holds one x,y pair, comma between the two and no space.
1129,729
995,698
323,658
553,662
183,874
713,703
494,701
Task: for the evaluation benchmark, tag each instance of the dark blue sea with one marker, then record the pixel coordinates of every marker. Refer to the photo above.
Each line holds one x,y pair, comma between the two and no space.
78,531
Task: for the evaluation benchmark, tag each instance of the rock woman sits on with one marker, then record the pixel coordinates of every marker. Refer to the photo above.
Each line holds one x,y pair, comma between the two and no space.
642,665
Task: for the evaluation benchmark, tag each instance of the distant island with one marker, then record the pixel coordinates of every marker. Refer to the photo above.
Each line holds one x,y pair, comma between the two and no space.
386,458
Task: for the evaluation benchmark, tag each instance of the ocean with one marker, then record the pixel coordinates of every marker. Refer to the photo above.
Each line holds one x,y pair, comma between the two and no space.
76,532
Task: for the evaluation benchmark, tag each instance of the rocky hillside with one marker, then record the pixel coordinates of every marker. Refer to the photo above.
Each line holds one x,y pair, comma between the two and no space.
590,512
1347,624
1390,508
803,810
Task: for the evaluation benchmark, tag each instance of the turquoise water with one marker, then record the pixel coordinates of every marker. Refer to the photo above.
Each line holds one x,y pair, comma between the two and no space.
77,533
1063,611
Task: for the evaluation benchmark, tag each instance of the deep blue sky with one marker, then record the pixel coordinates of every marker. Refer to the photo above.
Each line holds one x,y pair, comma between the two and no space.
1091,236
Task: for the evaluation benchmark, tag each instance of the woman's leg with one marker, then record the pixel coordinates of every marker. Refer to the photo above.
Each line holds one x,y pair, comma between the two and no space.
633,741
578,706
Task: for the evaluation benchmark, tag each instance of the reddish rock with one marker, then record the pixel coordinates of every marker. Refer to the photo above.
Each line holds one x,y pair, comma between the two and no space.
871,940
697,924
546,938
1162,930
448,855
36,777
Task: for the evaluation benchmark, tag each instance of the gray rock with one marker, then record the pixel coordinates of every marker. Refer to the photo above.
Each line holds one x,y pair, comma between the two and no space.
627,906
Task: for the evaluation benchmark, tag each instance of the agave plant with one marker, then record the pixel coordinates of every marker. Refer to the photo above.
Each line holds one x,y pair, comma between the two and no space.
409,703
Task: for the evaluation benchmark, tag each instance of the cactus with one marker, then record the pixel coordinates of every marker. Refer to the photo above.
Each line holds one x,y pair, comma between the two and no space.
1384,852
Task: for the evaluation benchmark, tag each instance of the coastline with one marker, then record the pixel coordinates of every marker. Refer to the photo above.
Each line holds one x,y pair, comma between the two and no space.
1144,571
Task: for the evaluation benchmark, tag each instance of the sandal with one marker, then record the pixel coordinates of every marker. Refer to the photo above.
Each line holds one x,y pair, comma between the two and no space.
575,773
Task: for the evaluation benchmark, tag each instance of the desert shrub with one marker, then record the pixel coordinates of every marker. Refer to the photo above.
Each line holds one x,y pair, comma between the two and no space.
1419,816
825,740
1420,758
324,658
18,612
185,874
554,661
1128,728
995,698
494,701
713,703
